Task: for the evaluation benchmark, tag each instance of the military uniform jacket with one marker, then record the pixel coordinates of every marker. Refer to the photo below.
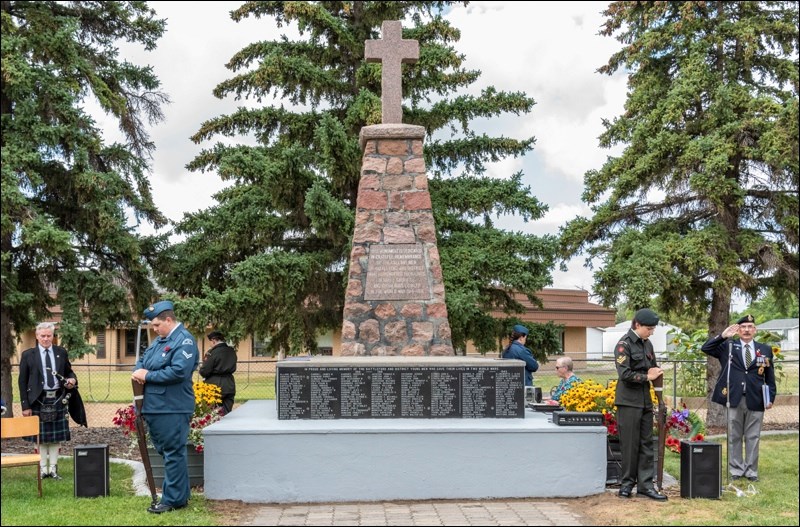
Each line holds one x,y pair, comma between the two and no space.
170,362
515,350
633,357
219,366
745,382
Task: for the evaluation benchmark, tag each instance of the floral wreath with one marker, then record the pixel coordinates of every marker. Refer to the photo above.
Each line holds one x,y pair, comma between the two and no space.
683,425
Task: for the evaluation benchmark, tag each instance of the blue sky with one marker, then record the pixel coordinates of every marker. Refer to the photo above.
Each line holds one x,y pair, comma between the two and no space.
550,50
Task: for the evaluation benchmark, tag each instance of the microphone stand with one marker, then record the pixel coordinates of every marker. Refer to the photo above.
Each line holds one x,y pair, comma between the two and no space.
727,416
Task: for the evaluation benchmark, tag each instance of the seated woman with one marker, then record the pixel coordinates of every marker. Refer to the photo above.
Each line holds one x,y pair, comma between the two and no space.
568,378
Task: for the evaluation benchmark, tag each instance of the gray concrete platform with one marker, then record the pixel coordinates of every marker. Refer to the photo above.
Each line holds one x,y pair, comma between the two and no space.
254,457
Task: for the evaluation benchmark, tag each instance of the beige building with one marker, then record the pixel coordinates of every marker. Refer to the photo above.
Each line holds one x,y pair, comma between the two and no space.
568,307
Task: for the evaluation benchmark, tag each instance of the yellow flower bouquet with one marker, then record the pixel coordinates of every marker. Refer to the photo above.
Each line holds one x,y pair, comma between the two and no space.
207,410
590,396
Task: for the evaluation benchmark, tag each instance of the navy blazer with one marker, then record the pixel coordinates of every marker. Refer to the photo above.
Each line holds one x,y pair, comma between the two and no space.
743,381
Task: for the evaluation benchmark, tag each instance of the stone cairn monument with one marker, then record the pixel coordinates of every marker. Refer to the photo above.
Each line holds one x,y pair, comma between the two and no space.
397,355
394,304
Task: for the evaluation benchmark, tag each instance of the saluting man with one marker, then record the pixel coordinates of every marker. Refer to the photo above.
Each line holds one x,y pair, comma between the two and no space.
165,369
636,367
751,368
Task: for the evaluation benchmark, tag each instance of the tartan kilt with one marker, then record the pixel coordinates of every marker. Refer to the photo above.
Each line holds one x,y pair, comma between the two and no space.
54,431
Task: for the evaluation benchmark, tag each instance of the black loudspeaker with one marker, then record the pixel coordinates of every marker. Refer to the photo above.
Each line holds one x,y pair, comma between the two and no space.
91,471
701,470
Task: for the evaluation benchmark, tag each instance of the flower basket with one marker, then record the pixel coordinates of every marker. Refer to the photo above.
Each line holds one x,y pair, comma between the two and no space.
207,410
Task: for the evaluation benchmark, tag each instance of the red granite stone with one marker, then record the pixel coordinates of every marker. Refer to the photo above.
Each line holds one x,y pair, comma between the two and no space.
416,200
437,310
369,331
373,199
385,310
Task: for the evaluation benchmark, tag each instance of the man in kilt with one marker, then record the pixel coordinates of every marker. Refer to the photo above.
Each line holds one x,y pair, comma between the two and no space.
46,383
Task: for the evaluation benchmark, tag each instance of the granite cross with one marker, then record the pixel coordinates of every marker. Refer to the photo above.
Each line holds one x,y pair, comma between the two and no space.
391,50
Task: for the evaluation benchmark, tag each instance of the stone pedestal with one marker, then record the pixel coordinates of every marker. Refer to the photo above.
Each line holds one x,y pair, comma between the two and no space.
394,304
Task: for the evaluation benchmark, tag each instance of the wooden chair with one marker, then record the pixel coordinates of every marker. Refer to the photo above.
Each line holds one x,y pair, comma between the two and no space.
22,427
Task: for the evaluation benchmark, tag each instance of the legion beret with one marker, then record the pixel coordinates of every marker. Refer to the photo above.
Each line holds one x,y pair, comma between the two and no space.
153,310
646,317
216,335
519,328
747,319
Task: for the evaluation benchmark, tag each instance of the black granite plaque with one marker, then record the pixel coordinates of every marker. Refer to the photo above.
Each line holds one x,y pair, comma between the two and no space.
384,392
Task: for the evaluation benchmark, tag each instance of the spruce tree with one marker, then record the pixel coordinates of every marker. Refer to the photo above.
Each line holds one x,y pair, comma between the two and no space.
69,199
702,203
269,258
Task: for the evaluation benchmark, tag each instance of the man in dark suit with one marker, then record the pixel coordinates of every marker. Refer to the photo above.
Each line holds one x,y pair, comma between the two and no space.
45,377
741,384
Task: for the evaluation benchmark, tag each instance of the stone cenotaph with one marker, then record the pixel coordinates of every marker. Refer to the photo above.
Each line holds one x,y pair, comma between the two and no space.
394,304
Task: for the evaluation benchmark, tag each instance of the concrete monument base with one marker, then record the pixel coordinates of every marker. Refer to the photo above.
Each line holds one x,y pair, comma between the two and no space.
252,456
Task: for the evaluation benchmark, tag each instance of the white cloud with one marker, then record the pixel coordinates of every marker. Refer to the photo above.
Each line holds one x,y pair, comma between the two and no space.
549,50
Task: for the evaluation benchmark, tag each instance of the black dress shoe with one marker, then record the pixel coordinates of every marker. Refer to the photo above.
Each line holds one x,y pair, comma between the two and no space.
753,478
653,494
625,492
161,507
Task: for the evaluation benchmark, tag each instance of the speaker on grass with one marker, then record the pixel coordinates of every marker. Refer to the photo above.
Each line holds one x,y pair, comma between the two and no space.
701,469
91,471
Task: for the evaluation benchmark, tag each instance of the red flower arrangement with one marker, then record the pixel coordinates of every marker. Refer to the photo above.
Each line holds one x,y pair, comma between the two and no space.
683,425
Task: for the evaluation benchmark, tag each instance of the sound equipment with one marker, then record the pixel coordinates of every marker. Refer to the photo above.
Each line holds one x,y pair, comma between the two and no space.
544,407
91,471
701,474
578,418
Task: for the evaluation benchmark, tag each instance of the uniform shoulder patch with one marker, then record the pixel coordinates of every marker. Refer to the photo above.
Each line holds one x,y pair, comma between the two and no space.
187,342
187,355
621,359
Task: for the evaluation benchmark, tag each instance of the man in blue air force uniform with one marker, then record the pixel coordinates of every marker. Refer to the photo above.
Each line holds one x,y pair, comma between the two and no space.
752,368
165,369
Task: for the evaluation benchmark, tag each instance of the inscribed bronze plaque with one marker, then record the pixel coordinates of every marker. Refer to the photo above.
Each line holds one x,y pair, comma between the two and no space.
397,272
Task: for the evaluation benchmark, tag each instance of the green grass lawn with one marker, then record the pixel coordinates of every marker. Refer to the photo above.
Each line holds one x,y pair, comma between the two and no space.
59,506
774,498
771,501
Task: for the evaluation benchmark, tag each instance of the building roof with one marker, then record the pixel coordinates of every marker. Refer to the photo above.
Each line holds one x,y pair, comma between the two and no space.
569,307
780,323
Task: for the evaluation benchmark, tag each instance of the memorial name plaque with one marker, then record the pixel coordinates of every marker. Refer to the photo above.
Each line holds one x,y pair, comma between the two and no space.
397,272
331,389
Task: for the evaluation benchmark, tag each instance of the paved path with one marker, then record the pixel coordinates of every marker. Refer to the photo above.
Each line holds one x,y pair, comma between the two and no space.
514,512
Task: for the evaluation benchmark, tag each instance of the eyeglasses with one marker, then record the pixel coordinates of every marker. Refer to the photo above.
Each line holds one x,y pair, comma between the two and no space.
557,367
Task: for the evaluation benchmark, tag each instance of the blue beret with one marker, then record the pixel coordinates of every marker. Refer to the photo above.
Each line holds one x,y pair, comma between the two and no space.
522,330
156,309
747,319
646,317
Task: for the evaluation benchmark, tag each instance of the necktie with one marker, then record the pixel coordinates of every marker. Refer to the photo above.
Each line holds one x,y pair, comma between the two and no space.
48,363
748,357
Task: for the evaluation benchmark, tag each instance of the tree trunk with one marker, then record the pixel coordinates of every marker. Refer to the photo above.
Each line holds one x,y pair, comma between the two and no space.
717,321
6,352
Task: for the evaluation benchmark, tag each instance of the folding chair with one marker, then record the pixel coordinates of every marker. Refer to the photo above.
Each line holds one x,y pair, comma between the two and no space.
22,427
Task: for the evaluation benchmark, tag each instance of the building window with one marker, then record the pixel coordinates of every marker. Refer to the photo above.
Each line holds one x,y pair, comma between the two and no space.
259,348
101,345
324,351
128,337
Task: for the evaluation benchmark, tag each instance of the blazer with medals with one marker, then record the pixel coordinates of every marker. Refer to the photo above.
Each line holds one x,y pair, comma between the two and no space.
744,381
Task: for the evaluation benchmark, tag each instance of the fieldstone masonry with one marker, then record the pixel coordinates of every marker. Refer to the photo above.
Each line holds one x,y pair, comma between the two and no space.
394,304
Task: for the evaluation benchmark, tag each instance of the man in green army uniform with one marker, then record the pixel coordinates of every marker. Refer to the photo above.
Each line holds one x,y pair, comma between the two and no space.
636,367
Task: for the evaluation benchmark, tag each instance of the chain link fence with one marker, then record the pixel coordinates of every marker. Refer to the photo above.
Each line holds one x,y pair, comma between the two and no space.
107,388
